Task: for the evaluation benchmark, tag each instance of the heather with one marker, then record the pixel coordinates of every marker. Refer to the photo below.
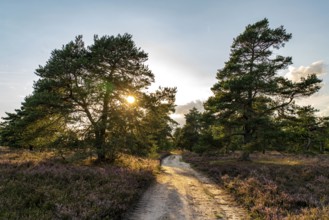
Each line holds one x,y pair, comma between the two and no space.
272,186
44,185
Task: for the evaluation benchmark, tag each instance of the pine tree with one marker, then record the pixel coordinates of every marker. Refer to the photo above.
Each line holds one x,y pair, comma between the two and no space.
89,86
249,89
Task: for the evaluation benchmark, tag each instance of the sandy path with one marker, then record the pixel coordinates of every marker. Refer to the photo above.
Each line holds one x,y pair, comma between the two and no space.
183,193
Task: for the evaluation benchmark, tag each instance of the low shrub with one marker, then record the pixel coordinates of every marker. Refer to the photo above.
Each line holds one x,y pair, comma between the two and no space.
36,188
288,187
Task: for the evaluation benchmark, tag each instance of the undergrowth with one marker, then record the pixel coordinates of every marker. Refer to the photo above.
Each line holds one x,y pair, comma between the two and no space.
273,187
40,185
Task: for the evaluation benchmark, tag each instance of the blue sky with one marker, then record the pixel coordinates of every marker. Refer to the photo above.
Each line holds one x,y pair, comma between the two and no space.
187,40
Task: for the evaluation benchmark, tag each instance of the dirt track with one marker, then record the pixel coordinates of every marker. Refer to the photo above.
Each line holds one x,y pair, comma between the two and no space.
183,193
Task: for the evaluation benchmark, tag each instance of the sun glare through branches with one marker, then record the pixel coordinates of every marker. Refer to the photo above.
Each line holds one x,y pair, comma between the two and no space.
130,99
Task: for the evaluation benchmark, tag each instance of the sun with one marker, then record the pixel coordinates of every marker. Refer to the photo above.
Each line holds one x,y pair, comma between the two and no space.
130,99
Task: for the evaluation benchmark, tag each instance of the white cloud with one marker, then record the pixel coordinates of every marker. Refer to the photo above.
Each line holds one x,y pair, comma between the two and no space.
179,118
320,102
317,67
324,112
184,109
181,110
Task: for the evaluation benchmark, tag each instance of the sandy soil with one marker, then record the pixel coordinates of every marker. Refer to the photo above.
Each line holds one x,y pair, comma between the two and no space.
183,193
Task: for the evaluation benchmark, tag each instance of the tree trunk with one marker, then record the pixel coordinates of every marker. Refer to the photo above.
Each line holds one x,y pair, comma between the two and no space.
248,131
245,156
247,139
307,146
101,128
100,155
100,145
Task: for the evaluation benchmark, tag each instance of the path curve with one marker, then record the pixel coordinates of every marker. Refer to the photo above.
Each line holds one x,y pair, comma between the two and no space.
183,193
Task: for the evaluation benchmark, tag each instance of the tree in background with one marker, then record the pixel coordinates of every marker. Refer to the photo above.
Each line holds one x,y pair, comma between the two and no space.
198,133
33,125
303,130
249,91
188,136
88,87
208,139
11,129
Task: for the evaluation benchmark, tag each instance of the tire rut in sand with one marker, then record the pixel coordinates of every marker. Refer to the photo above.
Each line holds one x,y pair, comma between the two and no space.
183,193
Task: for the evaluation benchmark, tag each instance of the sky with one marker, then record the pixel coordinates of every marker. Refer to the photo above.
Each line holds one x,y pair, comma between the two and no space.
187,40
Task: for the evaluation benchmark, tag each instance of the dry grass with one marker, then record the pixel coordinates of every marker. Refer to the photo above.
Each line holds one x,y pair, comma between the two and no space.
41,185
273,186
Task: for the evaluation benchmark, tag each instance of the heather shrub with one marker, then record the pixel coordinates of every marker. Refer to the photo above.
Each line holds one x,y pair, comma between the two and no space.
273,187
32,188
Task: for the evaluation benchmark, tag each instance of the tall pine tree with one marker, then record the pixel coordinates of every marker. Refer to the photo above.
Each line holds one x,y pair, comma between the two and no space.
249,88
